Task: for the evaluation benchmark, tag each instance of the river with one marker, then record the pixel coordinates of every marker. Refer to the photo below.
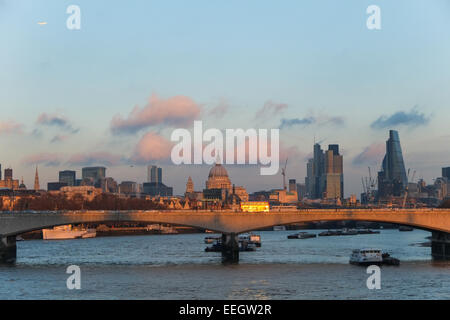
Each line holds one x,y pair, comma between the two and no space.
176,267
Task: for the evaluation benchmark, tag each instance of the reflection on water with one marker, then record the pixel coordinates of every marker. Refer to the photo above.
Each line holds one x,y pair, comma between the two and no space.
176,267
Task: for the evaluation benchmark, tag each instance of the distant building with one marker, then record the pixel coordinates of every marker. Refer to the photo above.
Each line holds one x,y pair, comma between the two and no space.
189,186
392,179
85,192
292,185
301,191
128,187
325,174
36,180
155,189
9,182
446,172
68,177
154,174
95,174
55,186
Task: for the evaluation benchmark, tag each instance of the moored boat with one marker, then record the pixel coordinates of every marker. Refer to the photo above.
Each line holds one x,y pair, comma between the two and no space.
301,235
67,232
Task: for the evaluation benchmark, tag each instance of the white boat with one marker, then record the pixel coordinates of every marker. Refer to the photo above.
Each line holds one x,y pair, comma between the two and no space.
251,238
68,232
366,257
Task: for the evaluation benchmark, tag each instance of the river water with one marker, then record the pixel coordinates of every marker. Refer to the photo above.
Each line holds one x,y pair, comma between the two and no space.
176,267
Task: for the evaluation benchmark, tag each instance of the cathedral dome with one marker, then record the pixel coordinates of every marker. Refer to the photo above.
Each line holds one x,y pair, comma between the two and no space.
218,171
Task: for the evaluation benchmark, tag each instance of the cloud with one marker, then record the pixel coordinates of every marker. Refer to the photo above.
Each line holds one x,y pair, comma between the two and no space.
412,119
59,138
220,110
151,147
371,155
96,158
175,111
46,159
10,127
56,121
285,123
270,108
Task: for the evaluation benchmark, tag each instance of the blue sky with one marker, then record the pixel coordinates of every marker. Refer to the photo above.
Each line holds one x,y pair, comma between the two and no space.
316,57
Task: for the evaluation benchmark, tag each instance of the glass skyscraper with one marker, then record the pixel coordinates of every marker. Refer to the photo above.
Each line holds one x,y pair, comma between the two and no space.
392,179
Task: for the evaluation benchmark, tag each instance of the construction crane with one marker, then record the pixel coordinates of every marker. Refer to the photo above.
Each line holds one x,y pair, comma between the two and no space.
283,173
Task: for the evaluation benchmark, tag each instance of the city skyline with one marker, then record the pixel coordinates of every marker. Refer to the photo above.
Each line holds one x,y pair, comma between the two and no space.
315,72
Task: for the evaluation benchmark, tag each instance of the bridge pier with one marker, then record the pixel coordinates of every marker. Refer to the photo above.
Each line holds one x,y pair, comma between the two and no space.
230,248
440,245
8,249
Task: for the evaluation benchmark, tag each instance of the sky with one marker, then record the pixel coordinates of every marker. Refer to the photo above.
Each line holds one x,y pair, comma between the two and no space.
112,92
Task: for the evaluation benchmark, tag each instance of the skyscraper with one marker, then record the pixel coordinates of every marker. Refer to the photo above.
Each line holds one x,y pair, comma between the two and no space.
446,172
392,179
95,174
154,174
68,176
325,175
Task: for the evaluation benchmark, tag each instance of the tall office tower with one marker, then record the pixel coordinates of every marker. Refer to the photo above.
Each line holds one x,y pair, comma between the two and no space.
8,174
309,181
95,174
292,185
446,172
334,173
325,175
68,176
155,174
318,171
36,180
392,179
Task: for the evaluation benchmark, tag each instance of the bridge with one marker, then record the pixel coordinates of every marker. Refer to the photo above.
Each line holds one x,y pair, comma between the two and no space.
229,223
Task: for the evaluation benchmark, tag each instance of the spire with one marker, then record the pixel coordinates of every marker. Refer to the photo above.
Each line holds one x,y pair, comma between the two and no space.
36,180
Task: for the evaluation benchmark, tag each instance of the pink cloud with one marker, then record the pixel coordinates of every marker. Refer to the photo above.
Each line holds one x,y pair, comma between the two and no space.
46,159
174,111
372,154
152,147
10,127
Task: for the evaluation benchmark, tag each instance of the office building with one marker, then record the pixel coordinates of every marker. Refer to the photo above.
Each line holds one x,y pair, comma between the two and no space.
325,174
94,174
68,177
154,174
392,179
446,173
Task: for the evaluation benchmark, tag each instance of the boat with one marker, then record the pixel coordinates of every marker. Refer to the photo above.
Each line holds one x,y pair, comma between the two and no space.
209,240
348,232
329,233
251,238
405,228
68,232
390,261
302,235
244,245
366,257
367,231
